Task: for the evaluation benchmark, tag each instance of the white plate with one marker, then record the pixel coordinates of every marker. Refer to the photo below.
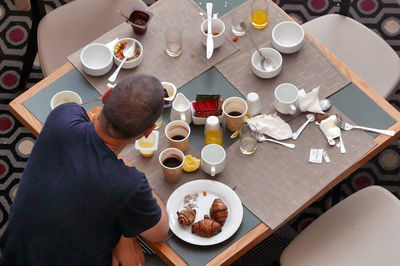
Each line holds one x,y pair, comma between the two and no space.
214,190
202,120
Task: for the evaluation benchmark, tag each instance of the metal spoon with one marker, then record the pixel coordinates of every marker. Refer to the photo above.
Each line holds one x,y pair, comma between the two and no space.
266,63
128,52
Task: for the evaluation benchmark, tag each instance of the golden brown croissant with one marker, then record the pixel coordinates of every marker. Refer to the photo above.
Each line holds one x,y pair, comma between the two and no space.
186,217
206,227
219,211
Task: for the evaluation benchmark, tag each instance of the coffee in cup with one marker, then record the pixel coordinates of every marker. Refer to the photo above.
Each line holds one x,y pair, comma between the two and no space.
234,109
177,133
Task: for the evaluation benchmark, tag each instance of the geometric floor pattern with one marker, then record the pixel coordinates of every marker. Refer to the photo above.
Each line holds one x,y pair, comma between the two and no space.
382,16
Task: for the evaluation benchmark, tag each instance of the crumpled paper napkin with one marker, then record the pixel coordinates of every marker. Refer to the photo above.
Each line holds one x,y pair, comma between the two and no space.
271,125
309,102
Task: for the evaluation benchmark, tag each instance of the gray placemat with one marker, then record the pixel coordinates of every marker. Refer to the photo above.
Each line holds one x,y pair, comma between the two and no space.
306,69
184,14
361,109
39,104
200,255
210,82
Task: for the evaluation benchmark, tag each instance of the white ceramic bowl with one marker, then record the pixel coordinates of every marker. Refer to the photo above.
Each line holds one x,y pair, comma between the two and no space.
287,37
272,54
64,97
217,26
96,59
171,89
129,63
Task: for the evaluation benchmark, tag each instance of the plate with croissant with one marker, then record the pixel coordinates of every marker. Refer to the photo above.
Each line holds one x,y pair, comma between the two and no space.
204,212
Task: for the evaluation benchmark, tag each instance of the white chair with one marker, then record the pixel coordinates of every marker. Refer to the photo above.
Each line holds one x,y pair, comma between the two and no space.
363,229
68,28
361,49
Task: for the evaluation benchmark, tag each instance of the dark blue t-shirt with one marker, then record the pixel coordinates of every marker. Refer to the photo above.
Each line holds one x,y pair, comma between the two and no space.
75,198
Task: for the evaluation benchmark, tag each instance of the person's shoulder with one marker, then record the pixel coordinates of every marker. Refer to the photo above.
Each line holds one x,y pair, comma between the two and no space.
65,116
128,175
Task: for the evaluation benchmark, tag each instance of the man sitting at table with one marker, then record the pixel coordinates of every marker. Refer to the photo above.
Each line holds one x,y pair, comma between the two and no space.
76,199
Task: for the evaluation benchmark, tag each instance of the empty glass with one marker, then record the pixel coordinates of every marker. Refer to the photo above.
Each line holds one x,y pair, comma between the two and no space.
173,41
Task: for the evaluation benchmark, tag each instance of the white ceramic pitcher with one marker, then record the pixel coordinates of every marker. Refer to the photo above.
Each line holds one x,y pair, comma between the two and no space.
181,109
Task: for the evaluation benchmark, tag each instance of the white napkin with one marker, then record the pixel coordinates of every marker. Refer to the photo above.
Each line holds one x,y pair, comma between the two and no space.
271,125
309,102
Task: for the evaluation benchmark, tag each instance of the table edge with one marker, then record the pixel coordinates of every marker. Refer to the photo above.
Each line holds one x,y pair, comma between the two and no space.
260,232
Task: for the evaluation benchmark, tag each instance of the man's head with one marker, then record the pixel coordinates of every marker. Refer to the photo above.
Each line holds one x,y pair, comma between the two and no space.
133,106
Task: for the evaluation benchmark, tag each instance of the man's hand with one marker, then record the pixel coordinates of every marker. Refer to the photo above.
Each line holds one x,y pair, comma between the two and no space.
128,252
94,113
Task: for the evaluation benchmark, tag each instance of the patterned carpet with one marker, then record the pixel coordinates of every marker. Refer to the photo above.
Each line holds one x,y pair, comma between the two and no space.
16,142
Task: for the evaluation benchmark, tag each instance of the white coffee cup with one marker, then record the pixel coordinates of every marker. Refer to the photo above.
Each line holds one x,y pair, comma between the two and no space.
181,109
217,26
213,159
286,97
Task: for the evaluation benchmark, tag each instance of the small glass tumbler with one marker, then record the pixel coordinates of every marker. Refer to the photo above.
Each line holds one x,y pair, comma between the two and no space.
173,41
237,17
248,140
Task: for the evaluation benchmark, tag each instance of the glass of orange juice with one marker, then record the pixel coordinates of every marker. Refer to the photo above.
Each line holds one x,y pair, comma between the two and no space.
259,13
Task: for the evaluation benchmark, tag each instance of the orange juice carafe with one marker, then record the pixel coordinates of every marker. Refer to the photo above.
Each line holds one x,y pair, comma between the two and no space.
212,131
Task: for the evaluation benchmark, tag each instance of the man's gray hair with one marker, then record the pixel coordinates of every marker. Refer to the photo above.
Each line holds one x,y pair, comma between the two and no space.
133,106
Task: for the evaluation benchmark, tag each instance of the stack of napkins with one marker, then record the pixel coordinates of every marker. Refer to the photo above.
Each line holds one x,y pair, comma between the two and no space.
309,102
271,125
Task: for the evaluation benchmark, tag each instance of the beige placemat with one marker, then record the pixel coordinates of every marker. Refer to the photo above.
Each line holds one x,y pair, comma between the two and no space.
184,14
275,181
306,69
151,167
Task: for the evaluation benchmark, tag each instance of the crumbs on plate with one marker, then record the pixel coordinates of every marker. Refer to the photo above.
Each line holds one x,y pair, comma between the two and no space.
189,201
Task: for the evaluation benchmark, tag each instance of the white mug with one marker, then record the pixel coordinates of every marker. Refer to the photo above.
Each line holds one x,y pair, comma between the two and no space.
213,159
181,109
286,97
217,26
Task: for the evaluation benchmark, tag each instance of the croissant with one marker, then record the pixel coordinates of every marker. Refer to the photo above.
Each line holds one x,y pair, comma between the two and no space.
219,211
206,227
186,217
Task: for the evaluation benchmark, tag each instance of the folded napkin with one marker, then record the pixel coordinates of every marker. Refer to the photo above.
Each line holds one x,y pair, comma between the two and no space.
309,102
271,125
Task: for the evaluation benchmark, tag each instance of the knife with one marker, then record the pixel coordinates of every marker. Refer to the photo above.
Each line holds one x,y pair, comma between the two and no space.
210,41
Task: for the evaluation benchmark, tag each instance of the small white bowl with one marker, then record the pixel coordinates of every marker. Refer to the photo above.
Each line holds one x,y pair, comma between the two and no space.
287,37
64,97
171,89
129,63
272,54
96,59
218,26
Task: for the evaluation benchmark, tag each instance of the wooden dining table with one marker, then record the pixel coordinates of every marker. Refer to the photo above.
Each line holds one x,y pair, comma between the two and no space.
260,231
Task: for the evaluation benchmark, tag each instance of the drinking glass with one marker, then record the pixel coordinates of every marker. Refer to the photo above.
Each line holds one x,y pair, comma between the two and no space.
259,13
237,17
173,41
248,140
